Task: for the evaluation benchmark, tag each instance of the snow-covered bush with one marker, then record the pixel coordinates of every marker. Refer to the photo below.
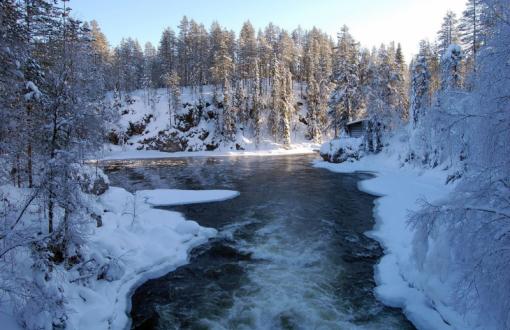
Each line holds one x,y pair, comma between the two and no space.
465,239
91,179
342,149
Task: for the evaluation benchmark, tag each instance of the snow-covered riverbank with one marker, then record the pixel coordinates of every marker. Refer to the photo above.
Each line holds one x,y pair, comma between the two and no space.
117,153
148,243
136,242
424,297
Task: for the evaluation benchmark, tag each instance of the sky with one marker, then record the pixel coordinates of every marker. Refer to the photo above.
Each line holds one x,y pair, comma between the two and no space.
371,22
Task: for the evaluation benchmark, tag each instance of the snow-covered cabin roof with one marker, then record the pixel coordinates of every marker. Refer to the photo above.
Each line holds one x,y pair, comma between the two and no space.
356,121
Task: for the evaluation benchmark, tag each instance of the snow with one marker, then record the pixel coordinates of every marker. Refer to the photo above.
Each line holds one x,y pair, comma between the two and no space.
334,145
136,242
294,149
160,197
147,242
193,129
34,93
423,297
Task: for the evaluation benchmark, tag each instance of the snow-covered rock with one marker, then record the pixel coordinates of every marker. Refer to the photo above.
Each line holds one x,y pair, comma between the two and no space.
92,179
342,149
145,122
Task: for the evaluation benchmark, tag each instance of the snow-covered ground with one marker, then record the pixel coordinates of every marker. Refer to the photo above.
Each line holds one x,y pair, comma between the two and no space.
148,242
425,298
136,242
116,153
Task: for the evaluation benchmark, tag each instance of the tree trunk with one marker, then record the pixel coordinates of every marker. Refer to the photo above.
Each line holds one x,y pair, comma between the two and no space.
29,165
50,212
18,171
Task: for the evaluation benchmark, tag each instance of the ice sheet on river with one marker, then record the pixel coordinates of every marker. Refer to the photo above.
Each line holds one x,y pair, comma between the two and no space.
162,197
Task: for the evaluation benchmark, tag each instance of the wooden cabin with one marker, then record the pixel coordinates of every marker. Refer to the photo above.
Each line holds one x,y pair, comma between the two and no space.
357,128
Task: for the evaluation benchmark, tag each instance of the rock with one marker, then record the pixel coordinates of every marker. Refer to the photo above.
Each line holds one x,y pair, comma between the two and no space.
342,149
98,218
113,137
136,128
203,135
189,119
167,142
211,147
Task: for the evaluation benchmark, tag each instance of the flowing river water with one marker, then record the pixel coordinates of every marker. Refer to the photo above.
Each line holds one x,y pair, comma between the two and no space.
291,251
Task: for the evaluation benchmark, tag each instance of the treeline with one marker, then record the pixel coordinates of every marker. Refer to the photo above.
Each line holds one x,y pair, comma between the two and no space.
339,80
256,71
51,117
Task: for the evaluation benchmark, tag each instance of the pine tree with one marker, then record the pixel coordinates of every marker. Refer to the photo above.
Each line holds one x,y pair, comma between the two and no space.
273,119
183,51
103,56
247,52
449,32
472,29
222,63
420,84
265,56
401,83
240,103
285,106
286,50
451,68
172,83
346,97
229,114
318,69
167,52
198,47
257,106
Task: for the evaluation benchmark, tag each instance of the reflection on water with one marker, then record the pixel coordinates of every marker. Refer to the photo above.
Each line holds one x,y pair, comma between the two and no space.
291,253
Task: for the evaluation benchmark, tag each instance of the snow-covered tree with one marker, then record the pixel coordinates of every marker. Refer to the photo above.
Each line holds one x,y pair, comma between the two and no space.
346,98
449,32
172,83
472,29
465,237
240,103
420,85
273,119
229,114
451,68
257,106
222,62
247,55
167,52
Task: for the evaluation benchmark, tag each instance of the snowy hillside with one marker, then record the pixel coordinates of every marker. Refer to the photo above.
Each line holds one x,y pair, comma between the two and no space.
146,121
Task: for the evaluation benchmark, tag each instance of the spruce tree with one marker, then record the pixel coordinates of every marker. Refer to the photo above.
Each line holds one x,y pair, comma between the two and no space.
420,84
346,96
257,106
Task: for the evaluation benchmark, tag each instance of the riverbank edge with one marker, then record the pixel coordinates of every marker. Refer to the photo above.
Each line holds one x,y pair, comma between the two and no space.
399,282
106,305
118,154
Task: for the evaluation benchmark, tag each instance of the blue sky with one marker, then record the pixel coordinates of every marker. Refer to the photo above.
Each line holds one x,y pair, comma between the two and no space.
371,21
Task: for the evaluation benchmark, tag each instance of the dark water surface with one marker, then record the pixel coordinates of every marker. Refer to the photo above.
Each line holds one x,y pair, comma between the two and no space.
291,253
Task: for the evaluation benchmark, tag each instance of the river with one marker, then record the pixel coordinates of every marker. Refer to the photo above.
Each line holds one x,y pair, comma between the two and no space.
291,251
